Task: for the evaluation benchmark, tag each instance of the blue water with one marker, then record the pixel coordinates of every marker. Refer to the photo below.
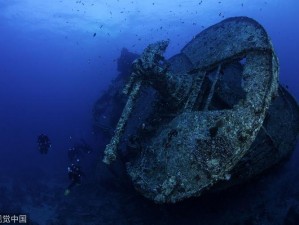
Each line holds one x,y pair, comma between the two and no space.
58,56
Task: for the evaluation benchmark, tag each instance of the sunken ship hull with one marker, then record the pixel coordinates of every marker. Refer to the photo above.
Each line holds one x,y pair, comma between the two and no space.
210,117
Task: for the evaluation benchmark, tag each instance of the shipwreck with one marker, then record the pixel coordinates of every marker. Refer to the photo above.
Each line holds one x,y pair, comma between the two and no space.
210,117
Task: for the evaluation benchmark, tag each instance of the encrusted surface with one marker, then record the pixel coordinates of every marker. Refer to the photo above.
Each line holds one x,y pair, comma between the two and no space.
195,141
224,40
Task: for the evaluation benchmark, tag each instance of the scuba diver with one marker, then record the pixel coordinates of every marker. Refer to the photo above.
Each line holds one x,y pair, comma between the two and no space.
77,151
75,176
43,143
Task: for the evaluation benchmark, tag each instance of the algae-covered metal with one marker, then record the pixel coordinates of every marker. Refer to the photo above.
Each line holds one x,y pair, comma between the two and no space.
217,123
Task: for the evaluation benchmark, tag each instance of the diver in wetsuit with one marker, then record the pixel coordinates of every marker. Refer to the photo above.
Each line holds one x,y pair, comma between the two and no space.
75,176
43,143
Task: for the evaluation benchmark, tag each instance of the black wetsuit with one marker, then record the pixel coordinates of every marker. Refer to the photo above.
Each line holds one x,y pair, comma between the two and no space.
43,143
75,175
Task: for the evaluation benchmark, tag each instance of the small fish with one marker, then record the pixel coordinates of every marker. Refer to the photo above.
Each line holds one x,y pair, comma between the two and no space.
94,34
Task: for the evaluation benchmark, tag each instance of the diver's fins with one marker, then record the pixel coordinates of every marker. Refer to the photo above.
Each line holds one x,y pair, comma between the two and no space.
66,192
